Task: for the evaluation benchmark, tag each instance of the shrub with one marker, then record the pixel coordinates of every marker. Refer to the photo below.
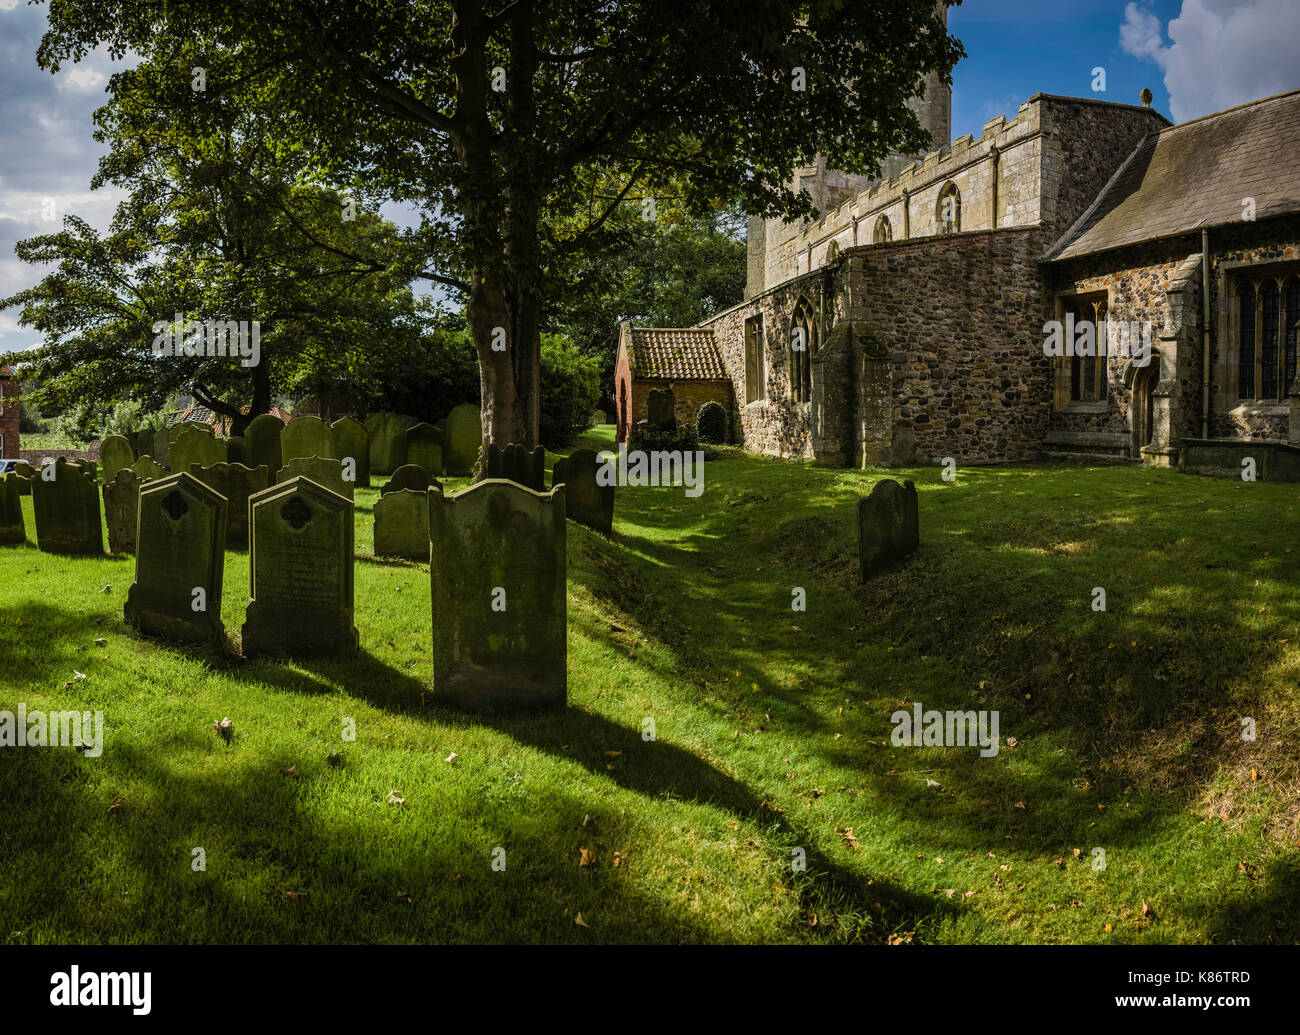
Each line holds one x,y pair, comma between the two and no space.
569,391
644,436
711,424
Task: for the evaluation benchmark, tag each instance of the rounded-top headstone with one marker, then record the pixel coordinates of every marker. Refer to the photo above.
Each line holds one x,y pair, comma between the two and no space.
424,447
115,453
352,442
304,437
262,442
408,476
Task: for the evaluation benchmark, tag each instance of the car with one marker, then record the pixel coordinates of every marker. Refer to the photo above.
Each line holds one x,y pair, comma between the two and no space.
8,466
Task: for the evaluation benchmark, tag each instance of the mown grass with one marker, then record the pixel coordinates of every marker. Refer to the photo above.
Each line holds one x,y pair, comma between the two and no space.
772,734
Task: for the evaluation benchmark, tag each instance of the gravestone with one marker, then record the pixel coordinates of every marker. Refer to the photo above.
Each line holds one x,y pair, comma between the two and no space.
499,596
887,526
115,453
598,418
25,473
147,467
322,470
160,446
121,510
408,476
424,447
236,482
388,441
262,442
186,425
301,572
180,556
351,442
462,439
402,525
304,437
141,442
192,446
66,501
237,450
586,500
660,411
519,464
13,532
86,467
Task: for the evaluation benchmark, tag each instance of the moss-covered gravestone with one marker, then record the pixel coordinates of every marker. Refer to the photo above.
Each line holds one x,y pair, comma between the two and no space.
192,446
888,527
660,408
115,453
141,442
148,467
13,532
180,557
388,441
424,447
159,446
408,476
306,437
236,450
87,467
598,418
262,442
402,525
588,489
322,470
462,439
352,443
121,510
301,582
498,583
25,472
518,464
66,502
237,483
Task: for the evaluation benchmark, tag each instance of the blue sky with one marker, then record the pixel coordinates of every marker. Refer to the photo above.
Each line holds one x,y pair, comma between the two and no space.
1196,56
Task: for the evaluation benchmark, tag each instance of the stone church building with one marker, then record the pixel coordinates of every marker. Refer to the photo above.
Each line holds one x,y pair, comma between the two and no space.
910,323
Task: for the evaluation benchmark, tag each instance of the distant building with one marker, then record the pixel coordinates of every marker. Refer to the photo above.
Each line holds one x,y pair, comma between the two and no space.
685,360
9,415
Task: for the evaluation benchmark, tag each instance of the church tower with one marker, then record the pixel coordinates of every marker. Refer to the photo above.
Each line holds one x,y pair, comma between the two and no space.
830,188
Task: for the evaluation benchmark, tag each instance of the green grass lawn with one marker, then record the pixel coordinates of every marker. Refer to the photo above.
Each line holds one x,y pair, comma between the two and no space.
772,734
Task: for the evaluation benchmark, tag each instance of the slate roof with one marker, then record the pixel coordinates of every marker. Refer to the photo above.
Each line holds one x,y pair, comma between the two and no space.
676,354
1195,175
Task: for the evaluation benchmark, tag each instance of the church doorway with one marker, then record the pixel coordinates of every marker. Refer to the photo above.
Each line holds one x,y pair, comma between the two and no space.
1142,411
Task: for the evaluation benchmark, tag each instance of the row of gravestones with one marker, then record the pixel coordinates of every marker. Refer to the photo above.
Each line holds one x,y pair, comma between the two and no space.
497,577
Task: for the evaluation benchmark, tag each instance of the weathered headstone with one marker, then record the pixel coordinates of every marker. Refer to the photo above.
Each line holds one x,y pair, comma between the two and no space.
121,510
13,532
301,582
887,526
408,476
586,500
402,525
351,442
598,418
66,502
424,447
159,447
236,450
519,464
186,425
237,483
388,441
148,467
499,596
86,467
25,472
193,445
462,439
115,453
141,442
306,436
262,442
660,408
320,469
180,555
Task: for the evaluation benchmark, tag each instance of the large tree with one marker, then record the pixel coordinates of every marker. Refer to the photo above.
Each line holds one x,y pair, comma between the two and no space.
491,114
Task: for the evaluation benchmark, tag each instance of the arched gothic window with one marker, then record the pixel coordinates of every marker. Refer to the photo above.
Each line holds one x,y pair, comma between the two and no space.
803,346
1267,330
882,233
947,213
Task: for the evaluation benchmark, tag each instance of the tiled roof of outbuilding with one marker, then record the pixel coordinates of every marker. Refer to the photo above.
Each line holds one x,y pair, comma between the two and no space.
676,354
1196,174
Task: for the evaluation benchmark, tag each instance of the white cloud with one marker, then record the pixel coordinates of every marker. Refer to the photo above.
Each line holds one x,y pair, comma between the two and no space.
8,5
1220,53
85,78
